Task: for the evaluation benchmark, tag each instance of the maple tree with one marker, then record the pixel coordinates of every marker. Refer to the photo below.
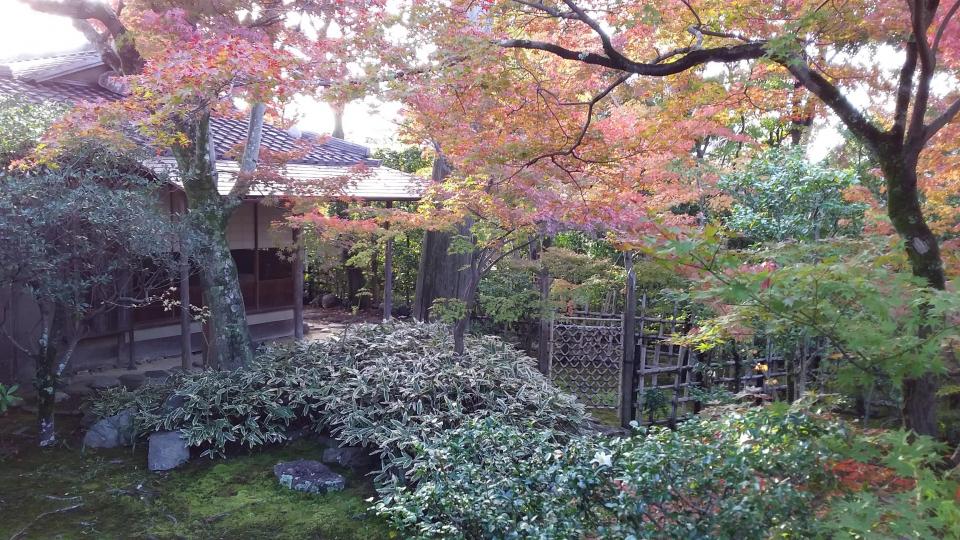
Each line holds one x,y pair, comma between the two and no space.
592,114
182,63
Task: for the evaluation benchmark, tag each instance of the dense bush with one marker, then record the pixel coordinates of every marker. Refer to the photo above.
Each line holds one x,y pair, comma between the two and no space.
393,386
739,476
389,387
764,472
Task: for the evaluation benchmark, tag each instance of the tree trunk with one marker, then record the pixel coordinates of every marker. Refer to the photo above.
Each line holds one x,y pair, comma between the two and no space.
230,344
440,274
469,299
46,383
923,250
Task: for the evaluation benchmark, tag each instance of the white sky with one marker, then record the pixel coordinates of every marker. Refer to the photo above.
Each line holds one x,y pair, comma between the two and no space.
27,32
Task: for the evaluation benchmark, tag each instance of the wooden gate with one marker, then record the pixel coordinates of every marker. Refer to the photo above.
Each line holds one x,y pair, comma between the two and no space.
585,357
656,381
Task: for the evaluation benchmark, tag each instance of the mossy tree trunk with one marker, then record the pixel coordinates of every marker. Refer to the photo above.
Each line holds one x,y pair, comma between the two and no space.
899,167
58,339
440,274
209,213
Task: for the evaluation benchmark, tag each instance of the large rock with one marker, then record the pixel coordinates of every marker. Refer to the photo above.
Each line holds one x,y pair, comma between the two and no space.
167,450
308,476
132,381
111,432
329,300
354,457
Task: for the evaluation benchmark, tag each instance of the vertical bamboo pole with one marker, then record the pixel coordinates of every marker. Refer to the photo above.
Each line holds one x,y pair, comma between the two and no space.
627,389
298,270
186,345
388,274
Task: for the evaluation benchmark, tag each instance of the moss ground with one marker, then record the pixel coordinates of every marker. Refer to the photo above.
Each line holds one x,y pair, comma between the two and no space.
237,498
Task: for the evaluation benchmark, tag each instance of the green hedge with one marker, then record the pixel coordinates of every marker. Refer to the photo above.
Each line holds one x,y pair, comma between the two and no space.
389,387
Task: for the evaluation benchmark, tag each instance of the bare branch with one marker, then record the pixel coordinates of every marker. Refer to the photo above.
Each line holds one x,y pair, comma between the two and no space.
904,92
938,123
735,53
831,96
943,27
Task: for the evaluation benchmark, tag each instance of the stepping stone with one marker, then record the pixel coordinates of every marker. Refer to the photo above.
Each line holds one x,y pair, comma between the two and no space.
167,450
132,381
308,476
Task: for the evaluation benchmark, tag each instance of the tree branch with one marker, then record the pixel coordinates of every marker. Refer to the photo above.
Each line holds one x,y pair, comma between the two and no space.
831,96
735,53
949,114
920,21
130,59
943,26
904,92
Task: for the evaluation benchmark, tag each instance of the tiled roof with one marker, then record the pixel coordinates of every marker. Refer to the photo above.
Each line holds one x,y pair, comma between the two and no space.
370,183
227,133
53,91
42,68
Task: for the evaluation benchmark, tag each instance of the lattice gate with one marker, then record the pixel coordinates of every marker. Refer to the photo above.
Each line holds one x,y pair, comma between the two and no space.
668,382
586,352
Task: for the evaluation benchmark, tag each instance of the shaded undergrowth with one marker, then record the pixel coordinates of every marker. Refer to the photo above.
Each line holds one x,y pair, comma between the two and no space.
64,492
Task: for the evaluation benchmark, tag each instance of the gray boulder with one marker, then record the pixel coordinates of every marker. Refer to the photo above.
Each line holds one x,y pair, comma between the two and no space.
132,381
329,300
111,432
353,457
308,476
167,450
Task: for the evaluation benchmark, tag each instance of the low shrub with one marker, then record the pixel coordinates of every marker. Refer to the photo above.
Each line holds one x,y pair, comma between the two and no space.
393,387
746,475
389,387
894,486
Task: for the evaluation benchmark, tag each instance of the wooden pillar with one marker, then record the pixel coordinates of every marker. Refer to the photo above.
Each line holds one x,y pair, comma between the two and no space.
298,262
388,274
546,315
186,343
125,337
256,255
628,392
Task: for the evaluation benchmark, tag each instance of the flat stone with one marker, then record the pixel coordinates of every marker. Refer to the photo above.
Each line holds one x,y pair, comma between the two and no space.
60,397
354,457
102,382
111,432
167,450
308,476
132,381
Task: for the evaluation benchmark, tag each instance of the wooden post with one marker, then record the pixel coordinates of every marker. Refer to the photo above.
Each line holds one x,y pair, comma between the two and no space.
256,255
546,315
298,259
627,390
186,343
388,274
